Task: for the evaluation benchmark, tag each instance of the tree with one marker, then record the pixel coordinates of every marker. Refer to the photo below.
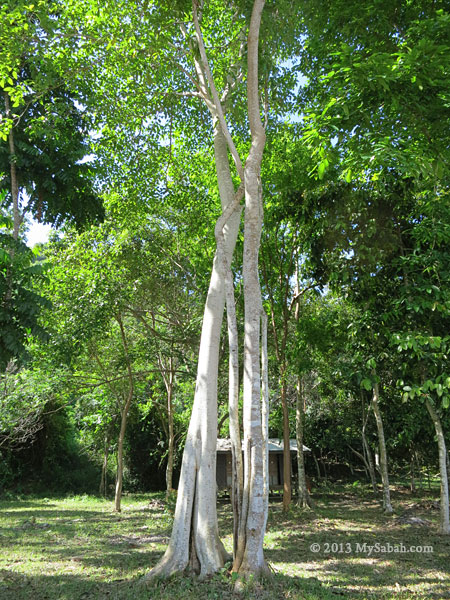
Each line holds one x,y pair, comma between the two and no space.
217,79
43,137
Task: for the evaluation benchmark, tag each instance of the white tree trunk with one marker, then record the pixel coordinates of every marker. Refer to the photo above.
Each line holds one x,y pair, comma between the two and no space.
195,538
250,558
233,401
387,507
444,526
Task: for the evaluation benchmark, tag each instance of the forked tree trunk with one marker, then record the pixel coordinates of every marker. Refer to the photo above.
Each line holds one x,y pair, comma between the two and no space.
444,525
195,539
304,499
387,507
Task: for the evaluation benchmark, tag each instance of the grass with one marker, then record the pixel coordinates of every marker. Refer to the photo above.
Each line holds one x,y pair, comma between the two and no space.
78,549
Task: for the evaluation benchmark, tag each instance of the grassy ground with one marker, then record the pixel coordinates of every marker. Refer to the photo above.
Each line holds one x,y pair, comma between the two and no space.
78,549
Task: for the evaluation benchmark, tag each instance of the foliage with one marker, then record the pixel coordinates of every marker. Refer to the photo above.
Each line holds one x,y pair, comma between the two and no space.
20,304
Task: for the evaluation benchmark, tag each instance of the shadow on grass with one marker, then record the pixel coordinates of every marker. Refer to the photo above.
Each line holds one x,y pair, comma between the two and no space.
14,586
340,545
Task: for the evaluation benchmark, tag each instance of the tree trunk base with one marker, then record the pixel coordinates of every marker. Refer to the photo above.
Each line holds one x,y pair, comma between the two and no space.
306,502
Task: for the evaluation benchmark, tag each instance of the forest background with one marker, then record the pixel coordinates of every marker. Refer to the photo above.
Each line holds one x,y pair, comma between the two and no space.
104,137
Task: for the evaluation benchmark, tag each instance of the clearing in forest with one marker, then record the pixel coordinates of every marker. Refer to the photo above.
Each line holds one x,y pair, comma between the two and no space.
78,549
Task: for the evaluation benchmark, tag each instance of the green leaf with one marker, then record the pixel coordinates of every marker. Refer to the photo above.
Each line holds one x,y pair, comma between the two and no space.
366,384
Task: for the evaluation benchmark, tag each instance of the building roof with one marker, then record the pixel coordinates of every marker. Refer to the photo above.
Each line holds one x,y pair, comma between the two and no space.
275,445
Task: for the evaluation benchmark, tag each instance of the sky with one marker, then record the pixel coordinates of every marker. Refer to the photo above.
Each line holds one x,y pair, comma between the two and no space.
37,233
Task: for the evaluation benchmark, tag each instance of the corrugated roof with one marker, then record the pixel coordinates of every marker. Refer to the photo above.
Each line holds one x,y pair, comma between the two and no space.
275,445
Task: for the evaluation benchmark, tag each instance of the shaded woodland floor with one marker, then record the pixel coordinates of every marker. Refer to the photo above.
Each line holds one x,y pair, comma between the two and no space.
78,549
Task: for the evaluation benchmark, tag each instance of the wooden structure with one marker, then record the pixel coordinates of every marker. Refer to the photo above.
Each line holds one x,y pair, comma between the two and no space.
276,446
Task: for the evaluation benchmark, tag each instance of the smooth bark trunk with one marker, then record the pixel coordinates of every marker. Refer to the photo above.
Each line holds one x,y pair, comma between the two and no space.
233,397
387,507
254,519
195,538
444,525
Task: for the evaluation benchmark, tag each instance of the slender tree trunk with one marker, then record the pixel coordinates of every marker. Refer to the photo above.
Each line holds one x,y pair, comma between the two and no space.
316,463
123,421
168,375
370,464
287,487
304,499
233,398
412,471
324,467
366,449
265,405
444,526
13,173
171,441
387,507
104,476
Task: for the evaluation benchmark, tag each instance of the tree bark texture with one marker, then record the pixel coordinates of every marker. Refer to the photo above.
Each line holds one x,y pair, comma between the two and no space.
444,526
387,506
